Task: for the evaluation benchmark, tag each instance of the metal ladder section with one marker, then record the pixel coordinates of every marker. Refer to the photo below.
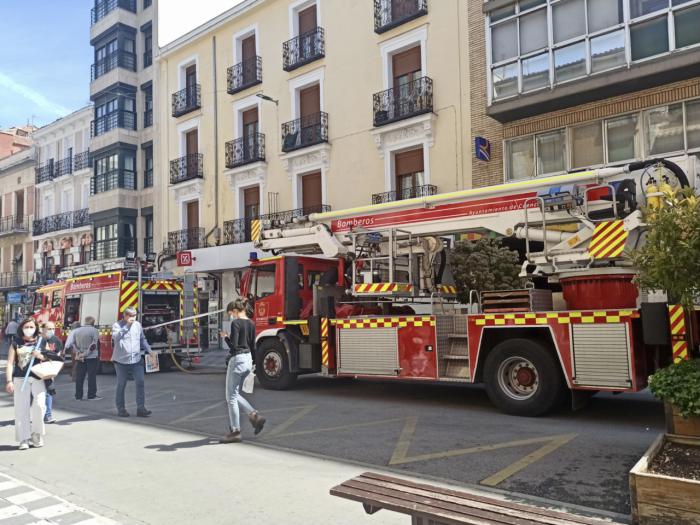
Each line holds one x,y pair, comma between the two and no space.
188,309
453,348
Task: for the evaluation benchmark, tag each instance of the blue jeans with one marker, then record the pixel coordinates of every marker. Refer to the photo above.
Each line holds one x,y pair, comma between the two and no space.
239,366
123,372
49,404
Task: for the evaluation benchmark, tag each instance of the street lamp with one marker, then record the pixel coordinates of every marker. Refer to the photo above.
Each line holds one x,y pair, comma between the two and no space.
269,99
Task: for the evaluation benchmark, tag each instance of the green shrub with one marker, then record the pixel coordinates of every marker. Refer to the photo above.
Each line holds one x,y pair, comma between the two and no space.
679,385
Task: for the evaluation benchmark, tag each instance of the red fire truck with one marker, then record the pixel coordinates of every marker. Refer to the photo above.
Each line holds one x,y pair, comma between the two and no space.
105,296
368,292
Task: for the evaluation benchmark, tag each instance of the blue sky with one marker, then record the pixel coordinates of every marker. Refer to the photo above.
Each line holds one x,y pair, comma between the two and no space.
45,61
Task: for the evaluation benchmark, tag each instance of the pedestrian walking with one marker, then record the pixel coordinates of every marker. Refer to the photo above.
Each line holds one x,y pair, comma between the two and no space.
50,342
30,401
129,344
10,333
84,341
241,342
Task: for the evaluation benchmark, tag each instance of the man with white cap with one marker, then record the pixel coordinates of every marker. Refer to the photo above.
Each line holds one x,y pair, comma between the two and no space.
129,343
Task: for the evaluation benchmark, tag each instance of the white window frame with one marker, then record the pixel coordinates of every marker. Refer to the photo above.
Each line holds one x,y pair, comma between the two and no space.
297,194
239,196
238,38
309,79
182,66
411,39
294,9
240,106
182,130
390,163
182,203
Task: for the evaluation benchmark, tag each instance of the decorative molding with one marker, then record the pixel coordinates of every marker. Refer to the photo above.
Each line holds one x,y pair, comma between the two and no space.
406,132
248,174
190,188
307,159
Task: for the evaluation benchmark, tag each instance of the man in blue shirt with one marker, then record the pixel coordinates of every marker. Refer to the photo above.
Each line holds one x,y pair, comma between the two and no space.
129,343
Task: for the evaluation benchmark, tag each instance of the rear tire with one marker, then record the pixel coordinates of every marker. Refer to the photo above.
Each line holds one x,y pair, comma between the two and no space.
523,378
272,366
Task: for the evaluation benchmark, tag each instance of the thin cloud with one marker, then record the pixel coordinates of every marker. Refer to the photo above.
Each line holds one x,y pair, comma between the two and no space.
30,94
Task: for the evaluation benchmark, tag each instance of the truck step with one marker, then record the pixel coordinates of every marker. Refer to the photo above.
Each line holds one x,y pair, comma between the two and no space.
455,379
458,336
455,357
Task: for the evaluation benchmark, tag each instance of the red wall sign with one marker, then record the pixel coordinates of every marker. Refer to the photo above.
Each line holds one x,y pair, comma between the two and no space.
184,258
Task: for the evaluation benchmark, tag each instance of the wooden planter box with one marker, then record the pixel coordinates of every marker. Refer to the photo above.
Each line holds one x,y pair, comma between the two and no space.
678,425
663,500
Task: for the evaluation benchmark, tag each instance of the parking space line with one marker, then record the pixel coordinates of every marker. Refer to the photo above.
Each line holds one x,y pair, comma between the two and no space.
340,427
554,443
196,413
282,427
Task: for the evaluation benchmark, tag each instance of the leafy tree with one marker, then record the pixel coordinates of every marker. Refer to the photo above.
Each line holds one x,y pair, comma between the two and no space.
484,265
670,258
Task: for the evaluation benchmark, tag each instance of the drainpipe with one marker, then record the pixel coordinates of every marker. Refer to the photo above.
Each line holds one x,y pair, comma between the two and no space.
216,146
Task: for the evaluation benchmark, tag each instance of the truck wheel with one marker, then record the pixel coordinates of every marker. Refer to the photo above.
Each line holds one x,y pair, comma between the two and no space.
272,366
523,378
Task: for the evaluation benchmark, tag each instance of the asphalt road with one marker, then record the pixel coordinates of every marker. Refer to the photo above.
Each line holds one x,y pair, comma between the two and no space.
437,431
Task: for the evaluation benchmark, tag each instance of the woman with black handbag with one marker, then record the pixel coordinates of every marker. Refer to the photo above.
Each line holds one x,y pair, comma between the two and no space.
28,389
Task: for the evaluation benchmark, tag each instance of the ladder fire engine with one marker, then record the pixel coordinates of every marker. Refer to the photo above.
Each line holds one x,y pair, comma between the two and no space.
368,292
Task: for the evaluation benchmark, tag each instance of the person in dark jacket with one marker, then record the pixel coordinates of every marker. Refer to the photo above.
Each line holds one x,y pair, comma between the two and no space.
30,401
241,342
51,343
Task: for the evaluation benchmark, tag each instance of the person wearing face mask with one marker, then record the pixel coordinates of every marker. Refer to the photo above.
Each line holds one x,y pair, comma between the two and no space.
30,401
84,342
241,342
51,343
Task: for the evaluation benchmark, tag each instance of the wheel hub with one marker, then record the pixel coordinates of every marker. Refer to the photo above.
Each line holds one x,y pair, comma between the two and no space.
272,364
518,378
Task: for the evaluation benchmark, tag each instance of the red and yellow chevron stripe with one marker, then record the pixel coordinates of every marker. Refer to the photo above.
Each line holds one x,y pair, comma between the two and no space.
324,342
529,318
384,322
608,240
162,285
448,289
676,320
129,295
256,230
375,288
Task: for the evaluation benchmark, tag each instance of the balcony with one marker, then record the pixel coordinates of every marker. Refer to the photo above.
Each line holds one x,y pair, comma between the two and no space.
147,58
14,224
187,168
113,248
407,100
102,9
189,239
115,119
303,49
112,180
187,100
81,160
245,150
63,167
238,231
243,75
289,215
389,14
405,193
305,131
45,172
16,279
61,221
113,60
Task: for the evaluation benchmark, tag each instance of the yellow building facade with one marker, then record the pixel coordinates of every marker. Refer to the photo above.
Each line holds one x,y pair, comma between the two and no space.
291,107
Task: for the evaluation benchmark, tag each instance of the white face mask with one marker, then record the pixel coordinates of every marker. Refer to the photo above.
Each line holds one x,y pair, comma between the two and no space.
50,332
28,332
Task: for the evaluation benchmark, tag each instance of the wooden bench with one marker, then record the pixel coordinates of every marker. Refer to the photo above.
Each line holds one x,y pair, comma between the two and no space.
431,505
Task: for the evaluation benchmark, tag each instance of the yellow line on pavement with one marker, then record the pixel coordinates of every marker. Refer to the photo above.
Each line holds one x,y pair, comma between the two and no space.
404,442
554,443
196,413
282,427
341,427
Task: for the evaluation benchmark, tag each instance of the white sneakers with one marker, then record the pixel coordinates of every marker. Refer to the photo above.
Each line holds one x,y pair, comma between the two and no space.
24,445
37,440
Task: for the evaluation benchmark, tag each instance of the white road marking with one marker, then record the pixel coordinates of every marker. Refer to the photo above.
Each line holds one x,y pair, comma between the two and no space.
26,497
53,510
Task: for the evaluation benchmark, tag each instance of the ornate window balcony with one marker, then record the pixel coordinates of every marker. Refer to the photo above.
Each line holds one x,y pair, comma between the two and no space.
405,101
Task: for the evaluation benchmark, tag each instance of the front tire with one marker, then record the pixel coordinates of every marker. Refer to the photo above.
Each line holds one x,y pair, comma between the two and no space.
272,366
523,378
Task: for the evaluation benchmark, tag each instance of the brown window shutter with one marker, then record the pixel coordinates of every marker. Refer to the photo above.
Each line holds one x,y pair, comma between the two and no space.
191,140
251,196
248,48
310,101
307,19
406,62
409,162
311,192
250,116
192,215
191,75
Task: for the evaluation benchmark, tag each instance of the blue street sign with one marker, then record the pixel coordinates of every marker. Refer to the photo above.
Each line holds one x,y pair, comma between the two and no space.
482,148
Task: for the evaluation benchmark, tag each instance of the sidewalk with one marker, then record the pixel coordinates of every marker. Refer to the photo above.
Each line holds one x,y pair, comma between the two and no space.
135,474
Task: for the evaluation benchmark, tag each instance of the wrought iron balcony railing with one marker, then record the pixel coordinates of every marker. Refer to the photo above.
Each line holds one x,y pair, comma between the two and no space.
147,58
61,221
405,101
148,178
116,119
64,167
245,150
405,193
391,13
187,100
112,180
189,239
16,279
187,168
45,172
14,224
303,49
305,131
113,248
81,160
102,9
115,59
289,215
238,231
243,75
